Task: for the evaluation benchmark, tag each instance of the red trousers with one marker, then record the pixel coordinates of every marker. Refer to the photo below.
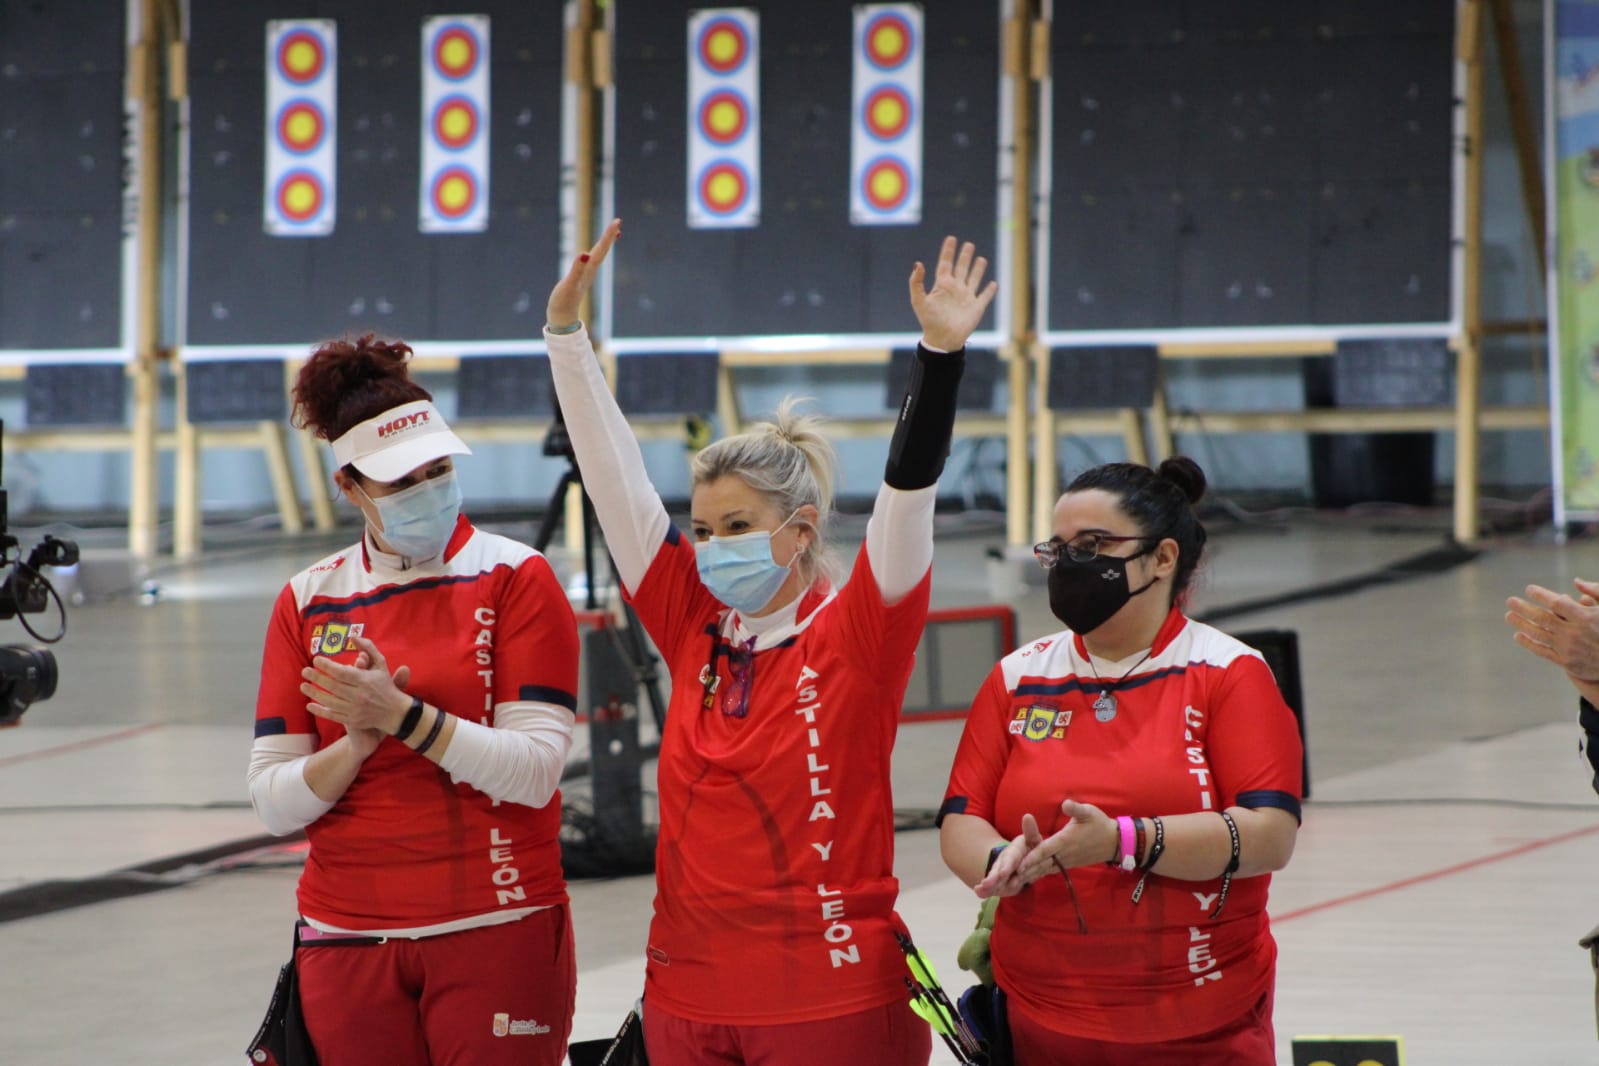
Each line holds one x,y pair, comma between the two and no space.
891,1035
1246,1041
501,995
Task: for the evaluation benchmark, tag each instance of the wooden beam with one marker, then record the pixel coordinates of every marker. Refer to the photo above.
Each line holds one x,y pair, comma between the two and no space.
1468,360
1526,135
1356,420
1513,327
1046,468
144,89
738,357
1025,34
1247,349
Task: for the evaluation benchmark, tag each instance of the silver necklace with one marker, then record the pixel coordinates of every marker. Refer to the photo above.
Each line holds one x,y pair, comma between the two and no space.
1105,703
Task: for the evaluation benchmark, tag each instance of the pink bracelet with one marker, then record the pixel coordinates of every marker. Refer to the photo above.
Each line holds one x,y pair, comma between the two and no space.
1126,854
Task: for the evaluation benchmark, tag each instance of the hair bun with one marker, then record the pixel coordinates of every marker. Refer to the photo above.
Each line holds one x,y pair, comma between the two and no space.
346,382
1185,474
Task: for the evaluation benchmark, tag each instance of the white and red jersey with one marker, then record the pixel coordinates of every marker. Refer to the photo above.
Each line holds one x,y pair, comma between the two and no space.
485,625
1199,726
774,868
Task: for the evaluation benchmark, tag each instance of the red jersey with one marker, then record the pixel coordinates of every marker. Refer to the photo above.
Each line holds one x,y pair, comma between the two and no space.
774,867
484,625
1201,725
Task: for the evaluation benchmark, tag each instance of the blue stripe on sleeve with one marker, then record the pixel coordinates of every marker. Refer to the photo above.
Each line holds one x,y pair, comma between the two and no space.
1267,797
953,805
271,727
546,694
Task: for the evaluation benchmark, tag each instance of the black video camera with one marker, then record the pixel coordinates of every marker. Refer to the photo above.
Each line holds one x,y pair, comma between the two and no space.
28,673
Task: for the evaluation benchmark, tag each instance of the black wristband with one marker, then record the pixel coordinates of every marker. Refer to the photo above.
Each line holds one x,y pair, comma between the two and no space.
926,420
993,856
433,733
412,718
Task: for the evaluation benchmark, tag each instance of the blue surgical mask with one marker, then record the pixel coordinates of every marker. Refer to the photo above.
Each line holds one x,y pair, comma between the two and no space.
740,571
418,521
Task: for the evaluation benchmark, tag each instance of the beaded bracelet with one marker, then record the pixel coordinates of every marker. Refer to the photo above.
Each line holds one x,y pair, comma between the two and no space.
1156,848
1232,863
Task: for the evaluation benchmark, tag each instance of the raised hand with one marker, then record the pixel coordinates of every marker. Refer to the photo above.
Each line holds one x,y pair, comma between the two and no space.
954,307
566,299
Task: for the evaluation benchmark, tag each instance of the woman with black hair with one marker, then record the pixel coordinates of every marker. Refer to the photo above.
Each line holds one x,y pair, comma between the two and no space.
1129,784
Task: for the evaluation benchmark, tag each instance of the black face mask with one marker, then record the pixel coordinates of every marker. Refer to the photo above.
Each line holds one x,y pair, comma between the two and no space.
1086,595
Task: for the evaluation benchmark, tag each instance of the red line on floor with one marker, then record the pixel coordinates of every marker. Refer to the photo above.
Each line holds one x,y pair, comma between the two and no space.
79,745
1356,897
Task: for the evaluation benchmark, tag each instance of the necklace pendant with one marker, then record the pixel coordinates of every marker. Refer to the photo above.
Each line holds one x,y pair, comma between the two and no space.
1104,707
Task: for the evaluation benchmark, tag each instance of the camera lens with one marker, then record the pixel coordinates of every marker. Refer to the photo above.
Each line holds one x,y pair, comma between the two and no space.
26,675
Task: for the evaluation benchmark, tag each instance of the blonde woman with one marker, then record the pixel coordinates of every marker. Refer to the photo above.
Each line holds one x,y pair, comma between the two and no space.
773,934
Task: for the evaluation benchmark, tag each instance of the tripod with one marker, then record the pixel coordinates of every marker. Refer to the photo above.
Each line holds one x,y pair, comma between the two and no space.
629,639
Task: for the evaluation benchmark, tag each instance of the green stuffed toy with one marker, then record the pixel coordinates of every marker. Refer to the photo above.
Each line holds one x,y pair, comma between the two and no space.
973,953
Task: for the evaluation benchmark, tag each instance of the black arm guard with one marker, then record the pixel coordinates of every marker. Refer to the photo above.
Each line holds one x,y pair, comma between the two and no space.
926,421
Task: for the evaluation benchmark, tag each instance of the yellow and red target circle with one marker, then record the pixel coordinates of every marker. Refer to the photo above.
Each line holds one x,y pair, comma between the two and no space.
302,127
888,41
300,195
456,51
302,57
724,117
455,122
724,187
886,112
724,44
886,183
454,192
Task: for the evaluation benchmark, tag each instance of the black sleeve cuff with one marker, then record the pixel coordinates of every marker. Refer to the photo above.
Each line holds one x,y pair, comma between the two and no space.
1283,801
953,805
1588,718
926,421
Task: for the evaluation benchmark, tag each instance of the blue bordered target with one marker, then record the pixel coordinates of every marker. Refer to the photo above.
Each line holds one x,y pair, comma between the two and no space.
302,127
302,56
456,122
457,51
889,40
887,112
724,117
886,183
723,46
454,192
724,187
300,195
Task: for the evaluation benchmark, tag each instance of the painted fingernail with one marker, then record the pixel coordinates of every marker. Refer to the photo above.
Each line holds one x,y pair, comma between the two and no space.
584,258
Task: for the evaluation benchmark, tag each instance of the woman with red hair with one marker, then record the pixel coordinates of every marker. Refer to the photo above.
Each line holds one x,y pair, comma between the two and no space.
415,711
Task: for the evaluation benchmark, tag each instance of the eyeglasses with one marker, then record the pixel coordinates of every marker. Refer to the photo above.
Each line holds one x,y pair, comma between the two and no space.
1079,549
735,697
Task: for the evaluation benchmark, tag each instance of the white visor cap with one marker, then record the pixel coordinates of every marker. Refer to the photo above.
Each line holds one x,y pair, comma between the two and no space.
398,441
